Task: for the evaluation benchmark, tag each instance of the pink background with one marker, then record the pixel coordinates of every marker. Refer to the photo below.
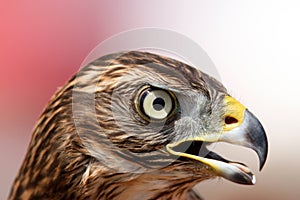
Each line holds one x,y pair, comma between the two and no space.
254,44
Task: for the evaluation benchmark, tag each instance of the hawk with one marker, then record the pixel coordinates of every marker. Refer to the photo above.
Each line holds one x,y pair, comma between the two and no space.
136,125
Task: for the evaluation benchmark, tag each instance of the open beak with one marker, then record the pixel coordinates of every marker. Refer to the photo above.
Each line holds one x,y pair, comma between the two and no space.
240,127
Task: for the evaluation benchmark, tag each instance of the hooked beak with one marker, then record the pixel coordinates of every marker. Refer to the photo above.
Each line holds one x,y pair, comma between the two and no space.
240,127
249,134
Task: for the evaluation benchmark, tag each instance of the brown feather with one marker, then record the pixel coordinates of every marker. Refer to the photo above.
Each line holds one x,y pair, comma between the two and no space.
62,159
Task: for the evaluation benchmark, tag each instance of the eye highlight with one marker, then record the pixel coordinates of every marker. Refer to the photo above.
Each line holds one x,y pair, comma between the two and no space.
155,103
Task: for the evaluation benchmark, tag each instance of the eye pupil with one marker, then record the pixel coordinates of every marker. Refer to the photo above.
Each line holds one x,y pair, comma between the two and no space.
158,104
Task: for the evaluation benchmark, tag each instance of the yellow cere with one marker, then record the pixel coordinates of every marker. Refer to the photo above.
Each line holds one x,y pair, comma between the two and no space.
234,113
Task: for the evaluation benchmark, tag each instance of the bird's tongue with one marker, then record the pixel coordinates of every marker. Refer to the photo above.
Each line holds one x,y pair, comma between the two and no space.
233,171
237,172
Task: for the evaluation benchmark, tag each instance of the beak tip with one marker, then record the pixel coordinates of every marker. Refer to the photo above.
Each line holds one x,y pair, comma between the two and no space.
261,166
259,141
263,153
262,159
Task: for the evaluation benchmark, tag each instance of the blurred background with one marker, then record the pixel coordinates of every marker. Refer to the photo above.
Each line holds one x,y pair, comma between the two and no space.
254,45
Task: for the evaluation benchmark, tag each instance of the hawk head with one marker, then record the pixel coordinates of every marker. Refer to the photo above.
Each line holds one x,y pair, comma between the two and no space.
136,125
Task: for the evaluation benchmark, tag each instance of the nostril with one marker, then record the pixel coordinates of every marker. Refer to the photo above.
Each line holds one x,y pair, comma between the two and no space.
230,120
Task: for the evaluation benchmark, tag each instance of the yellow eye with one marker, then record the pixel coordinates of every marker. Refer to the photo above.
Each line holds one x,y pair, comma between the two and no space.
155,103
